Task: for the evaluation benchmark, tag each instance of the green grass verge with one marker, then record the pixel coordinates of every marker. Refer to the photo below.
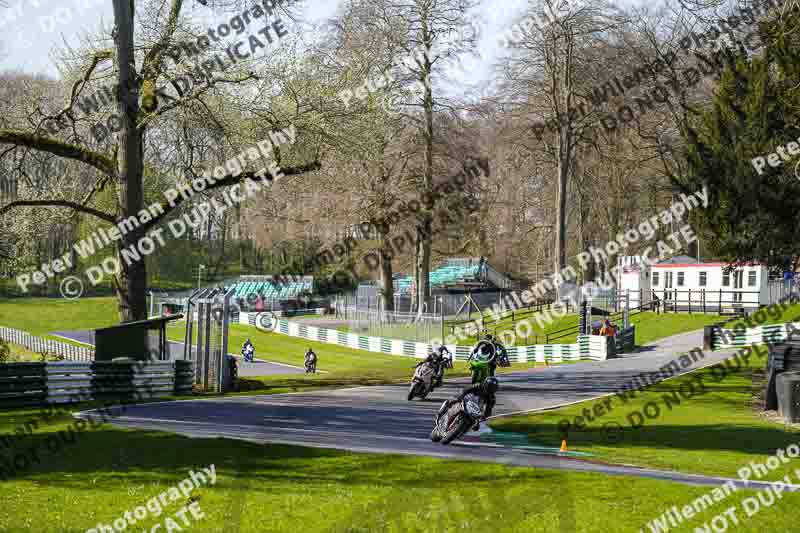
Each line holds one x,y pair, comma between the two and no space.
104,472
42,316
712,429
20,354
767,316
650,327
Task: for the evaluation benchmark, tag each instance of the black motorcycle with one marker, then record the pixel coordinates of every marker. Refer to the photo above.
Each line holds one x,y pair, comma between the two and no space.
457,419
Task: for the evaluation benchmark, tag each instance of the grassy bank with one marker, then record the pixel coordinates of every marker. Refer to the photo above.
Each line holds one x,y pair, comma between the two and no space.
650,327
42,316
20,354
704,422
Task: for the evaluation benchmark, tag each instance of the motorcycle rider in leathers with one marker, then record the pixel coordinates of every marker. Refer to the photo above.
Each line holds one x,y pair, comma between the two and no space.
485,390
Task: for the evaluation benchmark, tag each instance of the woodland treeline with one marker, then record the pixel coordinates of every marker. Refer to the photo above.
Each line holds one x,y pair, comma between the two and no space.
594,117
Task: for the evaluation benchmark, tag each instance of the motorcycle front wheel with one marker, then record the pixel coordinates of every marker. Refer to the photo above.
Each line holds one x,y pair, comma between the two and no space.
478,376
412,391
456,429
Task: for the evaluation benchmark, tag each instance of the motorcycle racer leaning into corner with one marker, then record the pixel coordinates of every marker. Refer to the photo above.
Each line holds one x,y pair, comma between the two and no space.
439,362
485,390
248,351
310,356
493,350
486,349
501,358
446,362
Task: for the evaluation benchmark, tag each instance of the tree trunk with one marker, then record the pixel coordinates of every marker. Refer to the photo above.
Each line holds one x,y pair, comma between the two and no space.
561,65
423,264
425,224
560,259
132,280
386,275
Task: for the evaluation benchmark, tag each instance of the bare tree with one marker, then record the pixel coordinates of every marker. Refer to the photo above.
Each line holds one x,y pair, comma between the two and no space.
139,107
421,36
544,78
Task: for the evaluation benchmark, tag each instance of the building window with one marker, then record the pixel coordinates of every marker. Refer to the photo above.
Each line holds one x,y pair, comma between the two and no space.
726,279
751,278
703,281
655,279
680,279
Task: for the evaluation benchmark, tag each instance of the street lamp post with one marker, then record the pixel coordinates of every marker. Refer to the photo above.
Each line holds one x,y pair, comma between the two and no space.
199,270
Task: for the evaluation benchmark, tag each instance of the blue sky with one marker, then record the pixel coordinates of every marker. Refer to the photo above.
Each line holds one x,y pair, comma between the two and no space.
31,29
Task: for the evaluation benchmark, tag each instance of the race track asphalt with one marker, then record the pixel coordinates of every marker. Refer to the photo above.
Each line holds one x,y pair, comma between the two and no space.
379,419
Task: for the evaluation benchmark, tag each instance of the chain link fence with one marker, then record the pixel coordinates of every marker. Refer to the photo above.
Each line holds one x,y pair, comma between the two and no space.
390,324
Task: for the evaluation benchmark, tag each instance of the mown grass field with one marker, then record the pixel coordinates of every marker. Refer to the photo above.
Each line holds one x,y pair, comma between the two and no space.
708,426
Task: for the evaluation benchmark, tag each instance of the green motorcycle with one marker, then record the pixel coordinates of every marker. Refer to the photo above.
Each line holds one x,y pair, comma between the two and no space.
479,369
479,364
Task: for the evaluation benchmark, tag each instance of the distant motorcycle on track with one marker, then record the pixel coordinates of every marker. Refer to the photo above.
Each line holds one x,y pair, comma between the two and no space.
248,352
311,366
423,381
310,362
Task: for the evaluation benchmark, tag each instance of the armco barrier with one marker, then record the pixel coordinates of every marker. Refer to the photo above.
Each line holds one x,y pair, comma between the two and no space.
625,340
722,338
68,351
587,347
24,384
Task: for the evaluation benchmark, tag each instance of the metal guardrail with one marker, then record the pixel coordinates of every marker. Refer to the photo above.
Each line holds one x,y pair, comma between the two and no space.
24,384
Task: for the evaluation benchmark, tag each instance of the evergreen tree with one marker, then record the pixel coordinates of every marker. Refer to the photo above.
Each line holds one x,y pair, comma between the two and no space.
751,215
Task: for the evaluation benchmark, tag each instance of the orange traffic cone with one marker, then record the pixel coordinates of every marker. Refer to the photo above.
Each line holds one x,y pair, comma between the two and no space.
563,445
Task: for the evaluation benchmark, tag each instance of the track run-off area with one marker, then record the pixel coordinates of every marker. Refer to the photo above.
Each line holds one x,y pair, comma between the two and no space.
379,419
